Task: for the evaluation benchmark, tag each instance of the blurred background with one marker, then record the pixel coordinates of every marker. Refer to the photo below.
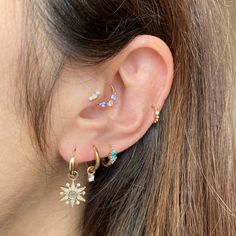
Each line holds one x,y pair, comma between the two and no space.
232,7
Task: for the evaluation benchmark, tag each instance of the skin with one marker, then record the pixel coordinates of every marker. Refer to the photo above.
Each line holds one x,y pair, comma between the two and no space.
142,74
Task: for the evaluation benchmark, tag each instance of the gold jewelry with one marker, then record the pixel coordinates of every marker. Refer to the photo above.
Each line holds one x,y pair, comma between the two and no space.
112,99
72,193
112,156
157,115
94,96
91,170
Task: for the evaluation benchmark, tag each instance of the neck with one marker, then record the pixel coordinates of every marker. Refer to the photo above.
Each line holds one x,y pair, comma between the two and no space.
41,212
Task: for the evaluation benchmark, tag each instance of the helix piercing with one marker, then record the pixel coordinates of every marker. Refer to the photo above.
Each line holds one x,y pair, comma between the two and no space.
111,101
91,170
157,115
72,193
112,156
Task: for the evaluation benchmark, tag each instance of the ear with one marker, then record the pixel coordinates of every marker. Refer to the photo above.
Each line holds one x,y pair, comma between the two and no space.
142,76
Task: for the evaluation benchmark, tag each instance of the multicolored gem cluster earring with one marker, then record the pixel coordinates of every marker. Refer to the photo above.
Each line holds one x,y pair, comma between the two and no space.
112,156
111,101
72,193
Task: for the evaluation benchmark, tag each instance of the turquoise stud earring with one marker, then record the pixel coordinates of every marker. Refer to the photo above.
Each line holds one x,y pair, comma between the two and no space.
112,157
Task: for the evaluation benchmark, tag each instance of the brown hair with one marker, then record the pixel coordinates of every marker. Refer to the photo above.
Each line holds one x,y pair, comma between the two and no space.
179,179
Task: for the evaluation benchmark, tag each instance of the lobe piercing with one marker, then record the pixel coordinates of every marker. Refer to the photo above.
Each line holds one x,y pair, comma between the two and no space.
111,101
72,193
112,156
157,115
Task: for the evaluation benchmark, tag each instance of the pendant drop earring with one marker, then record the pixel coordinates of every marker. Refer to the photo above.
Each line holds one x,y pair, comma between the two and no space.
91,170
72,193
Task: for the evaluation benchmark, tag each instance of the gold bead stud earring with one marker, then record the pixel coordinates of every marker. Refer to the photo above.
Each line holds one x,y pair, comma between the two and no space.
72,193
91,170
157,115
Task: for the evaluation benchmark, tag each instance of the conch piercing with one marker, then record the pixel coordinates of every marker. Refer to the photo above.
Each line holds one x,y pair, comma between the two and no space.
111,101
91,170
72,193
112,156
157,115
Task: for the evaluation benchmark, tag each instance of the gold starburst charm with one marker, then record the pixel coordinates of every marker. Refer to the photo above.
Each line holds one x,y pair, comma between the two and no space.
72,193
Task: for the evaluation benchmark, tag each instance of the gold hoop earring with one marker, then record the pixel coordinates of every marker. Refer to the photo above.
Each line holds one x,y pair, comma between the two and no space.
72,193
91,170
157,115
112,156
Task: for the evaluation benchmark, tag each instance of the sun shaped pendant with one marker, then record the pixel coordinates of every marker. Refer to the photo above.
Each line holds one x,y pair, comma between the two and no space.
73,193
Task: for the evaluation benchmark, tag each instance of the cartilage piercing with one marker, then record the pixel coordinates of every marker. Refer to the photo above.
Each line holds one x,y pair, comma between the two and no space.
94,96
111,101
157,115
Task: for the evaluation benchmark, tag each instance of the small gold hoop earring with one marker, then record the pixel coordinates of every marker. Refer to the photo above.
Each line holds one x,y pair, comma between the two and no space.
157,115
91,170
72,193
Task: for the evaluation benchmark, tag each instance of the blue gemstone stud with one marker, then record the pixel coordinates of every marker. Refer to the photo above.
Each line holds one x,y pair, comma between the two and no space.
111,101
112,156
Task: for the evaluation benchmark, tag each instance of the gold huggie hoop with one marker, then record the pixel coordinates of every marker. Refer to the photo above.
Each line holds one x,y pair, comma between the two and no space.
91,170
72,171
157,115
72,193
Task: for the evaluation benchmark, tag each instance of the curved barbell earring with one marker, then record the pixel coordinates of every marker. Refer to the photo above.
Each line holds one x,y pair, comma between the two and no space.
112,99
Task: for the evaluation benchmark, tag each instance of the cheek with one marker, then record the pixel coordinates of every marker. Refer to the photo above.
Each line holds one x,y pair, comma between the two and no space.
10,38
10,43
10,33
11,134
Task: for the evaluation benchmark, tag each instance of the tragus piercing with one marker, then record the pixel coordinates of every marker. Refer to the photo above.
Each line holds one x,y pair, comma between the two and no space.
94,96
111,101
91,170
157,115
72,193
112,156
